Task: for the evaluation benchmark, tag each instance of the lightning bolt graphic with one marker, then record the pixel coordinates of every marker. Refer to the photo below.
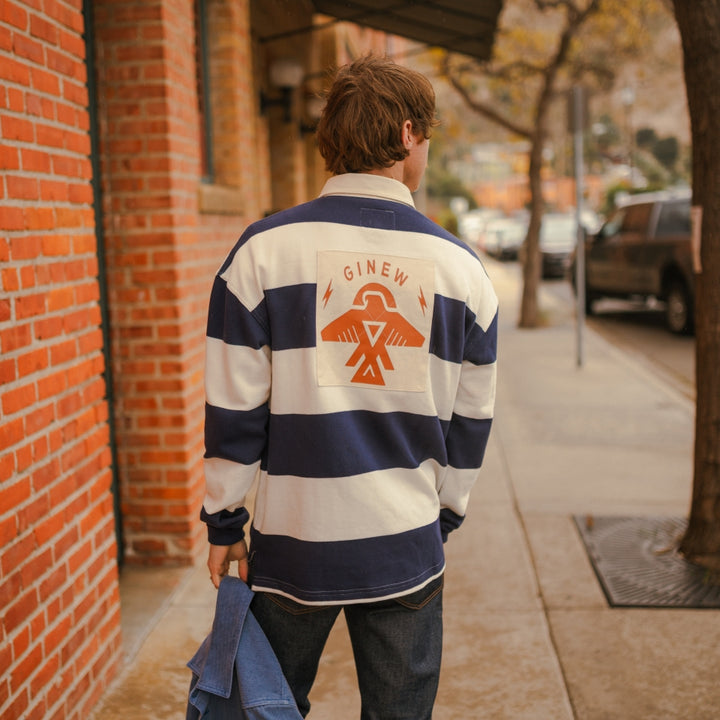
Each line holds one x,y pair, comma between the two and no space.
423,302
327,294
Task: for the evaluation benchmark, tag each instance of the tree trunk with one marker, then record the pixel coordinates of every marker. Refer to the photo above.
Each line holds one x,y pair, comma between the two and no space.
532,260
699,23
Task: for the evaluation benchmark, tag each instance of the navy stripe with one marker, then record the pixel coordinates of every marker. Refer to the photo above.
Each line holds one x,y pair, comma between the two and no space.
447,335
225,527
349,210
481,345
291,308
346,569
449,521
350,443
307,445
377,218
292,316
352,210
236,435
466,441
230,321
290,311
456,336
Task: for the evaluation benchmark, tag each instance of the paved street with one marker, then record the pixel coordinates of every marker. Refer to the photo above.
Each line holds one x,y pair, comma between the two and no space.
638,328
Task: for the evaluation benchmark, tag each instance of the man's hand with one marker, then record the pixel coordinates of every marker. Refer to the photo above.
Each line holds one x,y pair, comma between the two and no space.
220,557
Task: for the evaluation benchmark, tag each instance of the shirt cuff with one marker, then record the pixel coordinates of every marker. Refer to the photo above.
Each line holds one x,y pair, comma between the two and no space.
225,527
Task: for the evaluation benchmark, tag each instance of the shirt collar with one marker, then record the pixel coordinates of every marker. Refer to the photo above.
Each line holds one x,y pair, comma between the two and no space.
366,185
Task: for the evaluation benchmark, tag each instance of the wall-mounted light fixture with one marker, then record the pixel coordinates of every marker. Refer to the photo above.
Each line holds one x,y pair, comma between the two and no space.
286,74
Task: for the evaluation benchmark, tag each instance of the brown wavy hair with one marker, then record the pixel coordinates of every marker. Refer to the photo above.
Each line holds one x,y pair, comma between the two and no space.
361,126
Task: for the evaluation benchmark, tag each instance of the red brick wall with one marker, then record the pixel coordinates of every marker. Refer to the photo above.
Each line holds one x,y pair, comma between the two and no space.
59,640
162,253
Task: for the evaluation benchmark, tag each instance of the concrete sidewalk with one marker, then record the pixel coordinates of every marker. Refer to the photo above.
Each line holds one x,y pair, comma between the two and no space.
528,632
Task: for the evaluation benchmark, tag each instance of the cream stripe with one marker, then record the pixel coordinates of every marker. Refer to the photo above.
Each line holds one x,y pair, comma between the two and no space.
236,377
486,308
227,483
272,259
295,390
476,396
455,489
349,508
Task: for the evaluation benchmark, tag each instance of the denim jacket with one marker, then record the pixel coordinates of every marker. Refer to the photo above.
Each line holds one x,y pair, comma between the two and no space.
236,675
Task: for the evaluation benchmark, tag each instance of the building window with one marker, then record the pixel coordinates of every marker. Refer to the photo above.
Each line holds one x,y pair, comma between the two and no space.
223,97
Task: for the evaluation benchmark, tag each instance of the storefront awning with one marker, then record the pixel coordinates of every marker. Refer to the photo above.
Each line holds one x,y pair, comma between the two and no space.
463,26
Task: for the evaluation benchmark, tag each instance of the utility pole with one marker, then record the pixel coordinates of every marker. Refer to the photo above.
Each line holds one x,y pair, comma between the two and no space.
578,117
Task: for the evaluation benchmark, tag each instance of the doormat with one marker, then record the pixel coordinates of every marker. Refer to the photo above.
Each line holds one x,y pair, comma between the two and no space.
638,565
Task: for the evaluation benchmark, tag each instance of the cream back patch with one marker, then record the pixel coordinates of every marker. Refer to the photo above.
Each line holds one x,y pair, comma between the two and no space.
373,320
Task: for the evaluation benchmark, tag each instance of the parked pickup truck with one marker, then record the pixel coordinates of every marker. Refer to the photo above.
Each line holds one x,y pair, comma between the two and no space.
643,251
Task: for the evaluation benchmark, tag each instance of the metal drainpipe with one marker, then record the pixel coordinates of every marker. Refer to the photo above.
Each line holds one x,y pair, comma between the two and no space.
102,277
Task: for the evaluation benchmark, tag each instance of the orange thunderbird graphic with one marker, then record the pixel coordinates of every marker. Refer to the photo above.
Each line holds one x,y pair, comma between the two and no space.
374,323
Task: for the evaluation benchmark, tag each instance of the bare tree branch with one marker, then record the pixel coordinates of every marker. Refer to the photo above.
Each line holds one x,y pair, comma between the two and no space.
604,75
519,67
489,111
556,4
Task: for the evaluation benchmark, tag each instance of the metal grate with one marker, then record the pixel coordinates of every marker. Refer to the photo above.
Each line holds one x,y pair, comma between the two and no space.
638,565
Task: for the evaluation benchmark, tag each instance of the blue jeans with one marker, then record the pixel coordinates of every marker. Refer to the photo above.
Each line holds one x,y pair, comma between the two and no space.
397,646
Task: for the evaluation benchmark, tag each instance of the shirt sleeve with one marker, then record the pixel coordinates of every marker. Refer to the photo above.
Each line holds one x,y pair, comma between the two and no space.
469,428
237,390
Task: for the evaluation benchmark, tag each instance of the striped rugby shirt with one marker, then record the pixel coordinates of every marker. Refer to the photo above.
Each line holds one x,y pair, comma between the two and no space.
350,369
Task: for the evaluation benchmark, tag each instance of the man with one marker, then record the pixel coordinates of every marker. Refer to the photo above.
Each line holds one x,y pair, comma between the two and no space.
351,370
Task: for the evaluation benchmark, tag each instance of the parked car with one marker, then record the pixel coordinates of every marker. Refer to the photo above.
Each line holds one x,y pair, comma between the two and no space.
471,225
558,237
644,251
504,237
